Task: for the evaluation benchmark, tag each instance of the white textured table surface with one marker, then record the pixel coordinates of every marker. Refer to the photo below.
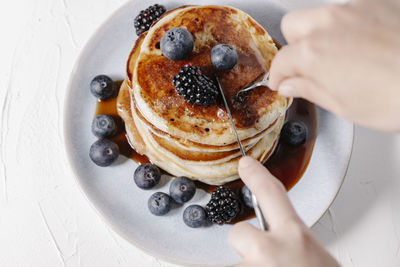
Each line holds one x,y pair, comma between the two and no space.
45,220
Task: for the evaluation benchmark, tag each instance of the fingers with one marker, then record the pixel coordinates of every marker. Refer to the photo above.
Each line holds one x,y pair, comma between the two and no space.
290,61
297,24
300,87
242,236
308,89
305,31
294,72
269,191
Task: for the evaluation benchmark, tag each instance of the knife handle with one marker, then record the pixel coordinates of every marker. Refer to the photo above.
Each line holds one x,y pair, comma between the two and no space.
259,214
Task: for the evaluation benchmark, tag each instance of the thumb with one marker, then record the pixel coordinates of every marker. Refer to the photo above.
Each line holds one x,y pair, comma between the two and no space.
242,237
269,191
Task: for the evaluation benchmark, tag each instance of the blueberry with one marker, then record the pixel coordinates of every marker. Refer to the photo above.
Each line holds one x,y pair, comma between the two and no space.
104,152
224,57
104,126
177,44
102,87
294,133
182,189
246,196
147,176
159,203
195,216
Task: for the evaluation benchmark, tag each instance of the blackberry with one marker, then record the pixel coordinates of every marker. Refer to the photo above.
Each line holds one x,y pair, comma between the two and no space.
146,17
223,206
195,87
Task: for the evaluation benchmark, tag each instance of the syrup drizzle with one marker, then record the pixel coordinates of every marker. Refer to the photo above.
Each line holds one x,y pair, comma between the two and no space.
287,163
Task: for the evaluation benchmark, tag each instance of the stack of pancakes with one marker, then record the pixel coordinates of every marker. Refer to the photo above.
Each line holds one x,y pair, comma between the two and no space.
195,141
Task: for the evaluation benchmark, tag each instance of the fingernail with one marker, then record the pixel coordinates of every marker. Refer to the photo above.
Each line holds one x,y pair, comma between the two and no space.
245,162
286,90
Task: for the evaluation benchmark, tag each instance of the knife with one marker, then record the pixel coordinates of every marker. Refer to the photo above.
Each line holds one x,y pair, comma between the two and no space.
259,214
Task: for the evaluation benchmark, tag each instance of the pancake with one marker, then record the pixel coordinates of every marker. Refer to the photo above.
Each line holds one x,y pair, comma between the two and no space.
185,157
136,49
124,111
134,54
190,145
169,147
194,141
193,146
158,101
215,174
181,142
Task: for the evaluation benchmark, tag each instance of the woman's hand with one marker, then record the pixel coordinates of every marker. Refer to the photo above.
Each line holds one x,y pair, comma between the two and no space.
288,242
345,58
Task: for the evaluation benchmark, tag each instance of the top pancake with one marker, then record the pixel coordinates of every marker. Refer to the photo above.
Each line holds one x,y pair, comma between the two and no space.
158,101
126,110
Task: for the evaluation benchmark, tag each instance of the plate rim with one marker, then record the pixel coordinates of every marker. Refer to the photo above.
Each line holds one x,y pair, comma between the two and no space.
68,150
343,178
69,153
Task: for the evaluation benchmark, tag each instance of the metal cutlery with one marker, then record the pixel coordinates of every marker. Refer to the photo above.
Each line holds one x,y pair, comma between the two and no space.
251,86
259,214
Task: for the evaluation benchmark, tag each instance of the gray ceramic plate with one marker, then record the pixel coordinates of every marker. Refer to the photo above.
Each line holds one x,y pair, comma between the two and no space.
112,190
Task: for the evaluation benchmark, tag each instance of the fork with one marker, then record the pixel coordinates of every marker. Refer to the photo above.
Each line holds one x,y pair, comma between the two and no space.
252,85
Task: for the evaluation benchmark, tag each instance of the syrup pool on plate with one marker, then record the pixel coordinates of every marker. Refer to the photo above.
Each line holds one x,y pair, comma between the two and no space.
287,163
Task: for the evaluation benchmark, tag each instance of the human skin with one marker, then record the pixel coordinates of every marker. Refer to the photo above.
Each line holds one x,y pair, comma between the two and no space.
345,58
288,242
